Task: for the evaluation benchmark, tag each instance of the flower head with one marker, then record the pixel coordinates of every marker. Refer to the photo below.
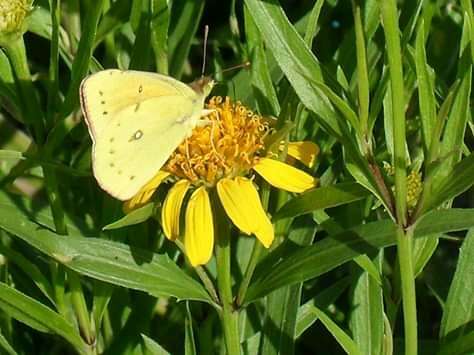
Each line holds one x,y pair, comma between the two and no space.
12,18
222,157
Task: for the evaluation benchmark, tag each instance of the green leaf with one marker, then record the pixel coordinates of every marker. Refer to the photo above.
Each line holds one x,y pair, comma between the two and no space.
293,264
104,260
458,180
363,84
189,342
461,346
182,32
294,58
80,65
456,123
312,25
134,217
150,347
342,338
115,17
306,317
459,308
30,269
34,314
282,306
321,198
426,95
443,221
140,55
368,266
5,346
340,103
423,249
388,9
160,18
366,318
263,89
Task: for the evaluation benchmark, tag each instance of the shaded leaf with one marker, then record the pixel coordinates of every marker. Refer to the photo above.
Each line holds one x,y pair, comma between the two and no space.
320,198
134,217
34,314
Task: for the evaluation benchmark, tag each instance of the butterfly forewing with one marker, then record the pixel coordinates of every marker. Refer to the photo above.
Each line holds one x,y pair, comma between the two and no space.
136,121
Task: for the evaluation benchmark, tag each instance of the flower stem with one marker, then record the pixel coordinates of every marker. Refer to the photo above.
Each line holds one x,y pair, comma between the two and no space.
256,252
32,113
407,277
229,315
80,308
34,118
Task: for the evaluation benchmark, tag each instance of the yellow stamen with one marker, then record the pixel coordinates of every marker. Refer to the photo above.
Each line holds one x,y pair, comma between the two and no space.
227,147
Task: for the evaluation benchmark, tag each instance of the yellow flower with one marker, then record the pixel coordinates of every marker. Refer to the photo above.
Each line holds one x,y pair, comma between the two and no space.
222,157
12,18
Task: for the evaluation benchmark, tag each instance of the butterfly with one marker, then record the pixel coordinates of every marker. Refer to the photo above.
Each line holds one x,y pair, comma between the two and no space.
136,120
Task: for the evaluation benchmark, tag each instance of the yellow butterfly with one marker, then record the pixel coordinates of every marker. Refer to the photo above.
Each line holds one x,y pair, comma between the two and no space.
136,120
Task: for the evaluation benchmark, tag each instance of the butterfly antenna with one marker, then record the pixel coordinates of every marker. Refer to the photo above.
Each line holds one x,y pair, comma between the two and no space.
206,33
238,66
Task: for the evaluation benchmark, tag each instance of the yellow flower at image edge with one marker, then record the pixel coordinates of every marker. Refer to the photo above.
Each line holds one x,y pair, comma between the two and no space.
223,156
12,16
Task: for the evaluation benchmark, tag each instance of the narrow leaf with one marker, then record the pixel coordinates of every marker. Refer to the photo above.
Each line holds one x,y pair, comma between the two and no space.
150,347
134,217
321,198
108,261
459,308
34,314
342,338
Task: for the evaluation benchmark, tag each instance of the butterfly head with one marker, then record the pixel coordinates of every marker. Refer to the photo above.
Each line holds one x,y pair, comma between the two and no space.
203,85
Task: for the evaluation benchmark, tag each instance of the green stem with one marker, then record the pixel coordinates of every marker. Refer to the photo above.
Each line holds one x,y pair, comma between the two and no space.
407,277
58,276
80,308
34,119
229,315
31,108
207,282
256,252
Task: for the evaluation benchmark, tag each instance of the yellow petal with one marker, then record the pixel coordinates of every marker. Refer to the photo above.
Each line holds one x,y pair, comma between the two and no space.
242,204
172,207
199,228
284,176
145,193
305,152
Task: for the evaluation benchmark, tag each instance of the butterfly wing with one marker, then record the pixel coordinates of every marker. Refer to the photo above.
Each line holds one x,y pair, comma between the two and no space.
136,120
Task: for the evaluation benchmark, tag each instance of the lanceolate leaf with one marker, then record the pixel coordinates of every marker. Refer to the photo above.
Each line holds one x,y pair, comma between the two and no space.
458,180
136,216
294,57
38,316
459,308
320,198
108,261
304,263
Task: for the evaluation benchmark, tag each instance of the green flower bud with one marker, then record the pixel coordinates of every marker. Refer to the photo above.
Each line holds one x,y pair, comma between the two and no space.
12,19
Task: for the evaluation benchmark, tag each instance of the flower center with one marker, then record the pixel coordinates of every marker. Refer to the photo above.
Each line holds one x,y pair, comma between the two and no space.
12,14
228,146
